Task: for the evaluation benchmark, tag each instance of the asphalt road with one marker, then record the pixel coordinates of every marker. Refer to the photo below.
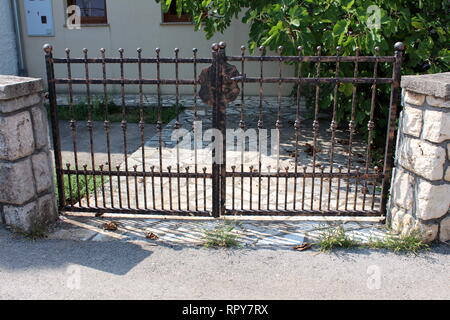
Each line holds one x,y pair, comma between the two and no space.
47,269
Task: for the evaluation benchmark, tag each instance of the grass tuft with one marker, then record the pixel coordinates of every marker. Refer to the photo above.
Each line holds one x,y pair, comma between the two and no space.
411,243
335,238
222,236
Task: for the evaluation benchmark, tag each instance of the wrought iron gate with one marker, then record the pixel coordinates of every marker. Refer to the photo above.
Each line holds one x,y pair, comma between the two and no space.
307,185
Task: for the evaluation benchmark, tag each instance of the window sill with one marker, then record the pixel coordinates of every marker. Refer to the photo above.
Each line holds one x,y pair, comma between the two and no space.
176,23
92,25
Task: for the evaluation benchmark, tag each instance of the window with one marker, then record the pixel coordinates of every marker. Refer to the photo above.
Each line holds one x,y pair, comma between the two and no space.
92,11
172,16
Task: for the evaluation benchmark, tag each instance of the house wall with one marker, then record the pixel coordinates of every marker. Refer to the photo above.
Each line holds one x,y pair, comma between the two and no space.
133,24
8,51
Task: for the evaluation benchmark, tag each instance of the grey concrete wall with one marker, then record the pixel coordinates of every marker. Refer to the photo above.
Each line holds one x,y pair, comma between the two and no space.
8,50
420,194
27,196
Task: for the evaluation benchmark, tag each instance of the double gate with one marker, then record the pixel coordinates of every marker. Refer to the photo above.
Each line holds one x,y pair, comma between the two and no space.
312,169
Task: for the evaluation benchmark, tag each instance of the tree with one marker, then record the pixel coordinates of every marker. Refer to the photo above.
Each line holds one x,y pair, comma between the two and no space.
423,26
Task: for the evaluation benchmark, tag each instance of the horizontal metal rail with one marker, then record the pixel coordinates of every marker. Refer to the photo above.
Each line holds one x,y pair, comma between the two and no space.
130,60
305,213
156,174
101,210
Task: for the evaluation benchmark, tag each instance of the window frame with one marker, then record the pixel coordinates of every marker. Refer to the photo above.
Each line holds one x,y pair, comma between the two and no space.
92,20
168,18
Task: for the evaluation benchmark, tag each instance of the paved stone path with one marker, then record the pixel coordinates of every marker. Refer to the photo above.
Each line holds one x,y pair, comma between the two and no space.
191,194
251,233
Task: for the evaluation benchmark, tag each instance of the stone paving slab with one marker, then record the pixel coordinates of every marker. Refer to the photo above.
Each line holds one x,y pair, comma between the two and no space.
190,231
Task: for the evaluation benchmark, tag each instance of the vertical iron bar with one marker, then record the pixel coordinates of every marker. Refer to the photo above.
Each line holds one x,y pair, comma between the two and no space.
159,124
351,128
177,125
107,126
86,185
152,168
222,127
260,123
136,186
142,124
371,125
333,126
390,140
48,49
242,125
102,179
119,186
73,123
124,126
215,110
297,125
316,126
70,186
90,124
195,133
169,170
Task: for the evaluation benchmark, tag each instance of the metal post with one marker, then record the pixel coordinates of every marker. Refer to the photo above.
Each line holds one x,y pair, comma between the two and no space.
215,124
390,141
48,49
222,126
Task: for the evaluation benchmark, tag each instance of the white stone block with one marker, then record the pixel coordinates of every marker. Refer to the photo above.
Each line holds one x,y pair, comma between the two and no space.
42,172
438,102
423,158
17,183
416,99
403,189
16,136
412,121
433,201
429,232
40,124
436,126
20,217
445,230
19,103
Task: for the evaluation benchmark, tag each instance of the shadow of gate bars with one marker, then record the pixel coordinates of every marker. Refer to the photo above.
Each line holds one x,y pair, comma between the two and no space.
222,184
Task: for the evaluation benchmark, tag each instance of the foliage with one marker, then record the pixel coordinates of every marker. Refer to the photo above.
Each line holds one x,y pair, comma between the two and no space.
222,236
80,112
423,26
79,189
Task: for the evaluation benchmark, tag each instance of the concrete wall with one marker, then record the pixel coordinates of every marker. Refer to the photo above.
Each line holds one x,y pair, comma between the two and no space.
421,182
8,52
133,24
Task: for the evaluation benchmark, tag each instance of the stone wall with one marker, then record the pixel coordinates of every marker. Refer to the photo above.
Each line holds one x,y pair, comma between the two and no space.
420,192
8,50
27,197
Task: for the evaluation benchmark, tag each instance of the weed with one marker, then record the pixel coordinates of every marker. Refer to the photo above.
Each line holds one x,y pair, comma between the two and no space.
222,236
411,243
333,238
79,191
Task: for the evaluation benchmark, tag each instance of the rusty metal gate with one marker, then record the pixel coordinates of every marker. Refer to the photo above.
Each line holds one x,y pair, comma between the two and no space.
309,185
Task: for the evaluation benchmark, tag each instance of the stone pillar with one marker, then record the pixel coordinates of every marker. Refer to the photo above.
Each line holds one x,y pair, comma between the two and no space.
420,192
27,196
